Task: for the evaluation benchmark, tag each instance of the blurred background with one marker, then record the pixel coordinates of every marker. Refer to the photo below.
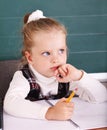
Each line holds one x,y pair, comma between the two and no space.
85,20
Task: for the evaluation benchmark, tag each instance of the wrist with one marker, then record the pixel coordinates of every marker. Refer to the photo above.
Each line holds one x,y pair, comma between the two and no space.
79,75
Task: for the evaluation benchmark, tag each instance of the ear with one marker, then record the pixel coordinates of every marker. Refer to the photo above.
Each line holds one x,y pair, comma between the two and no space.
28,57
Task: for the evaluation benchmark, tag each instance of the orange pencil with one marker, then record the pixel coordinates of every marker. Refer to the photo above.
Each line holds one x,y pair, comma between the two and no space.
71,96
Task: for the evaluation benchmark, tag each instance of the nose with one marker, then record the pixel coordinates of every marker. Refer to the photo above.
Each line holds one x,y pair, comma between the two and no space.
55,59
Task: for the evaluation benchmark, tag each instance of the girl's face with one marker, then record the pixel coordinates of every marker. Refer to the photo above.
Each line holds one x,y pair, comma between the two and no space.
48,53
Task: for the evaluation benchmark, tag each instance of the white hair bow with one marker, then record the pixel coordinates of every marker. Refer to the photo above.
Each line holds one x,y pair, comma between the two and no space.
35,16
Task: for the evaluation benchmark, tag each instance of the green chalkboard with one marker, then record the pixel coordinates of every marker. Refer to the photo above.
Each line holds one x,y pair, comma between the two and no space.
85,20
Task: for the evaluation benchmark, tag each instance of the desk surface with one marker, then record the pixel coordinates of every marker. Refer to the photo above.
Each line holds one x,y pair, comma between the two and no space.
86,115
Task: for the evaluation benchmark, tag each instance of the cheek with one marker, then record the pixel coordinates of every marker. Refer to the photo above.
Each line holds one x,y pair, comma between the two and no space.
38,66
41,66
65,58
39,62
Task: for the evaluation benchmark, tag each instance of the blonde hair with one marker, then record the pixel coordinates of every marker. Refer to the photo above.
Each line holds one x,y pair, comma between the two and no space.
42,24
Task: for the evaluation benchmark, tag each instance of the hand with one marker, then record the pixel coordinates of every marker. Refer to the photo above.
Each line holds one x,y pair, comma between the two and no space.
67,73
61,110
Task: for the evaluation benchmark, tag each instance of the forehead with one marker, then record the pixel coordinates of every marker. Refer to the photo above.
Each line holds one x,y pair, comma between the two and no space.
54,38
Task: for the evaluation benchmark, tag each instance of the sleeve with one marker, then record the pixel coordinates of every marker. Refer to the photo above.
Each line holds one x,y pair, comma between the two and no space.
15,103
90,89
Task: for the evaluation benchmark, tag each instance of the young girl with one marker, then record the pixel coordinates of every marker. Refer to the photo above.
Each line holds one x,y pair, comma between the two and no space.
46,75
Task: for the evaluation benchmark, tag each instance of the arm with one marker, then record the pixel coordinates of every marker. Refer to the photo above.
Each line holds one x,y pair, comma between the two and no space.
89,89
15,102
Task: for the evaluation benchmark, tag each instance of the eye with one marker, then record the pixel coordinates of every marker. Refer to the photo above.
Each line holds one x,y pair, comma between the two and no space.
46,53
61,51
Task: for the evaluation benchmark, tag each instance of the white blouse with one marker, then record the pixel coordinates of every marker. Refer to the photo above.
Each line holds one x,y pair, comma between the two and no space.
89,89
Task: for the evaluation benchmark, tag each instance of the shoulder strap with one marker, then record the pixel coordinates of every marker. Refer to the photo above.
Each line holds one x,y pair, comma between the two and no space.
34,87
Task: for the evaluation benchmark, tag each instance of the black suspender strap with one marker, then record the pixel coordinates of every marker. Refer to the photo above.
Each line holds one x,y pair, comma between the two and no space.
34,87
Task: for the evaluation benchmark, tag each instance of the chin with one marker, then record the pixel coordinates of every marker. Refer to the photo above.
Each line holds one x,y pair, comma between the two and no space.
49,76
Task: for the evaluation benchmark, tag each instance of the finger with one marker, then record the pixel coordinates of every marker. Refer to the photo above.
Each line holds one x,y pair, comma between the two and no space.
69,113
61,79
56,73
62,99
70,104
62,71
71,109
65,68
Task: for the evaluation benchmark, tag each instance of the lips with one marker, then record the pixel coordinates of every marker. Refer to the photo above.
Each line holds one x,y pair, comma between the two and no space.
54,68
